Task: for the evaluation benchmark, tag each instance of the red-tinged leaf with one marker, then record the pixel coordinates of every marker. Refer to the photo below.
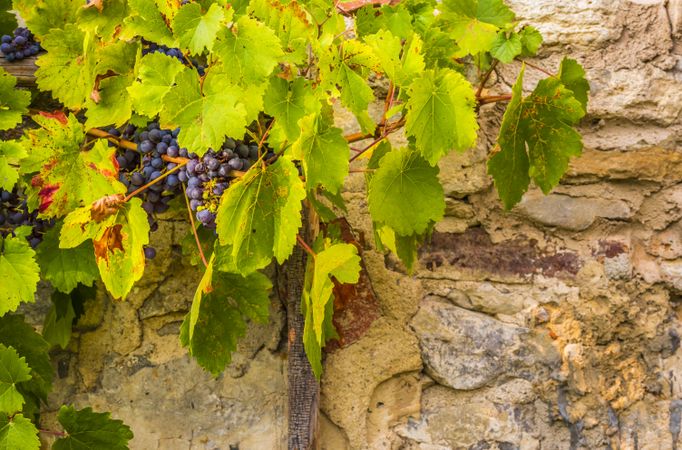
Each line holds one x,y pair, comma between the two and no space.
64,176
94,3
58,115
111,240
106,206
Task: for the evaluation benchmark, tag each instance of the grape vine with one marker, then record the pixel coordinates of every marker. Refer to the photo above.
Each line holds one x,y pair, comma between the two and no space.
226,111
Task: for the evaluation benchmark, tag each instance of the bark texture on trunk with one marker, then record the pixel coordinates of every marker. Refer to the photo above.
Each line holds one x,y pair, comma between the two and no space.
304,390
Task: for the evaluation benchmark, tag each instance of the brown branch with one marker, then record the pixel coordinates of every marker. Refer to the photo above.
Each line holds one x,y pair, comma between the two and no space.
194,229
494,99
485,79
123,143
537,68
305,246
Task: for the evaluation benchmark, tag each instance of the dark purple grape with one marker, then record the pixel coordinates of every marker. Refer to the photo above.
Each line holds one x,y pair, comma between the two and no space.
149,252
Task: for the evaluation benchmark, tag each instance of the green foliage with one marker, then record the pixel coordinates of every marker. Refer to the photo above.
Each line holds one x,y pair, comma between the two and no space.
18,433
19,273
13,370
88,430
274,73
537,137
8,21
222,304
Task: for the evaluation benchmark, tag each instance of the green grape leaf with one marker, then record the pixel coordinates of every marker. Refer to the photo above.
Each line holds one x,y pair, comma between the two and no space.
197,31
156,76
65,268
11,153
324,152
115,105
207,238
105,22
474,23
19,273
506,48
340,262
88,430
531,39
291,24
395,19
16,333
68,67
536,139
344,73
71,177
206,113
259,215
148,21
572,75
13,370
41,16
222,304
13,102
250,49
118,240
405,193
18,433
387,49
404,247
56,133
8,21
441,113
59,320
288,102
119,57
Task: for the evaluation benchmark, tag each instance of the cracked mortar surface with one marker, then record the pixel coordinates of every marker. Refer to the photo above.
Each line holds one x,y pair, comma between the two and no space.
553,326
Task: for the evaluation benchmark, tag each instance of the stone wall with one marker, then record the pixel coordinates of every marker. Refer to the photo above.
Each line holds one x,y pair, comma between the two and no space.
554,326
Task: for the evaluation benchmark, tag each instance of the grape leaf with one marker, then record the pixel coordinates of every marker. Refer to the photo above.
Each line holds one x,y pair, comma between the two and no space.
156,73
105,22
506,48
404,247
531,39
56,133
115,104
13,102
288,102
340,261
345,71
396,19
18,433
13,370
536,139
11,153
59,320
65,268
291,24
197,31
388,47
88,430
259,215
19,273
16,333
474,23
118,240
206,113
68,67
70,177
441,114
8,21
221,306
324,152
250,49
572,75
148,21
405,193
41,16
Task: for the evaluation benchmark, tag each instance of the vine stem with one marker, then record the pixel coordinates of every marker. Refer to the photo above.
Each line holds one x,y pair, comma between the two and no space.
537,68
485,79
390,128
123,143
494,99
54,432
361,170
153,182
305,246
194,229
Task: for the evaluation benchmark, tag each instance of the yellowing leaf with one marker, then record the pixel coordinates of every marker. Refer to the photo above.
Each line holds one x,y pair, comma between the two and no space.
19,273
13,102
197,31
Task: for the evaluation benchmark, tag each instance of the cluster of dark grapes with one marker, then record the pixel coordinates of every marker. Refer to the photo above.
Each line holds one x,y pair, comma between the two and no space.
19,46
14,213
158,155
